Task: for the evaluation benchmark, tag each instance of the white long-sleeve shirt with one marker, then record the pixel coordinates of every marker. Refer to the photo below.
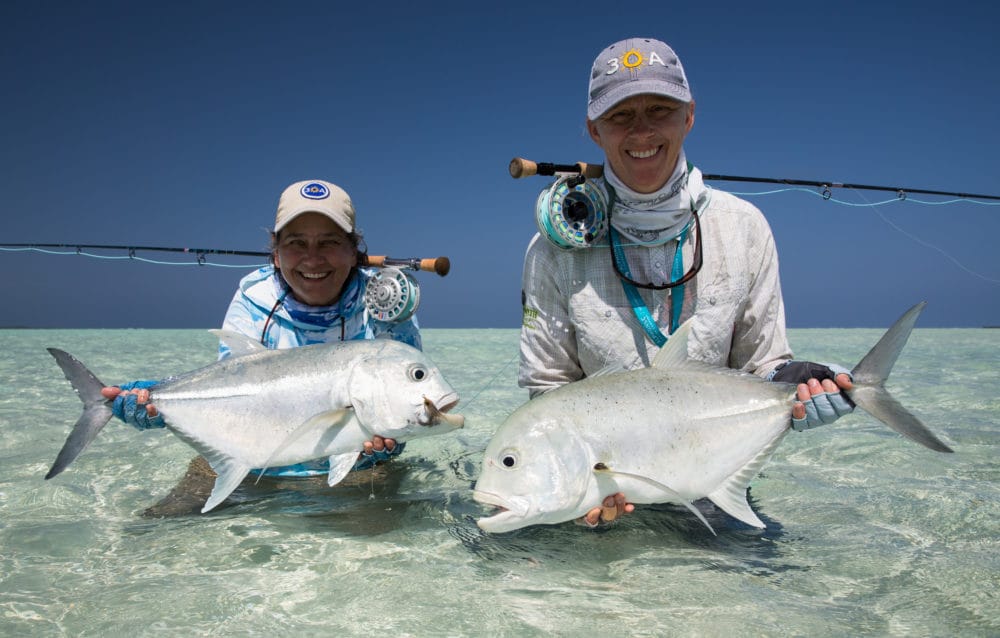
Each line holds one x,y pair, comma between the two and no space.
578,320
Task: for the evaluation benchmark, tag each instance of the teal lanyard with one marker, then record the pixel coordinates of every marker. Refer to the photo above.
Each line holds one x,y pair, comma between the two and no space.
635,299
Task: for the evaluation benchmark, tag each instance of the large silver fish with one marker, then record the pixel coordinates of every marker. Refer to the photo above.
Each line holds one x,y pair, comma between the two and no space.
270,408
676,432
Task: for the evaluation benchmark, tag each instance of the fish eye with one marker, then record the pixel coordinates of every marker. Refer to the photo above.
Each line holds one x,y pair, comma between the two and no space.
417,373
508,458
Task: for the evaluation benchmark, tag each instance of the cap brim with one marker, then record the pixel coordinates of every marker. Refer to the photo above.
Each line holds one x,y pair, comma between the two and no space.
625,90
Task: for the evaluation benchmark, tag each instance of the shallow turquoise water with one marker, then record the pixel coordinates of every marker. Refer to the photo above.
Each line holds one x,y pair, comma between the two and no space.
868,534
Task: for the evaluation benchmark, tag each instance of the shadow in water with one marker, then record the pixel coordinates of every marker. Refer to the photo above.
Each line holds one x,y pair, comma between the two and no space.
735,546
366,494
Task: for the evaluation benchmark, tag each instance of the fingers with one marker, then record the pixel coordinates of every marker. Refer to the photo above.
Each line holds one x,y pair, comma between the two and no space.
110,392
844,381
141,397
799,410
379,444
612,508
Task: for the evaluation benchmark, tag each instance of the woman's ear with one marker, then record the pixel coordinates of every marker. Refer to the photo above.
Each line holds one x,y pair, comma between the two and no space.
594,134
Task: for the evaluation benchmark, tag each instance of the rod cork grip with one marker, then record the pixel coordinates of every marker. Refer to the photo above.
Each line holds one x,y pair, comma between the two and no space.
520,167
374,260
441,265
590,171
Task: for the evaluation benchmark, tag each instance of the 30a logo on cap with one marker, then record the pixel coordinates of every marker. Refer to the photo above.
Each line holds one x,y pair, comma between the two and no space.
633,59
315,190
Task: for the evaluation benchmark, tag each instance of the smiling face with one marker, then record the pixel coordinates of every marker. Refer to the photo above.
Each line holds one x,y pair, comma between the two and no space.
315,256
642,138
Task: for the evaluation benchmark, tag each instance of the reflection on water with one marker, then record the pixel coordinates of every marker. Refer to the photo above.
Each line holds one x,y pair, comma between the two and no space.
867,534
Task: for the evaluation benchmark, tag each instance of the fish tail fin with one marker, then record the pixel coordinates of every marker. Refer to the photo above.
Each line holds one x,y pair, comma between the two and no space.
870,374
96,410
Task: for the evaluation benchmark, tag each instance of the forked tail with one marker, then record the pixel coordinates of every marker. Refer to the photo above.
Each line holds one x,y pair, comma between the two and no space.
870,374
96,410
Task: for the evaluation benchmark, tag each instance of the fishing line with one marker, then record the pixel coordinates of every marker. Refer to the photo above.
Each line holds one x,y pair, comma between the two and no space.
902,196
495,377
926,244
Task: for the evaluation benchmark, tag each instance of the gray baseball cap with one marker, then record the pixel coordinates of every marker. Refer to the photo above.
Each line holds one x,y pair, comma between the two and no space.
633,67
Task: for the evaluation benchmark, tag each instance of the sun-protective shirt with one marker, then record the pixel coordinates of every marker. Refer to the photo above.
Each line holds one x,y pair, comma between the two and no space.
294,324
578,319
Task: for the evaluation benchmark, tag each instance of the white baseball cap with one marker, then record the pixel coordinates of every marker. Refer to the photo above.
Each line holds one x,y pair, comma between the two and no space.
315,196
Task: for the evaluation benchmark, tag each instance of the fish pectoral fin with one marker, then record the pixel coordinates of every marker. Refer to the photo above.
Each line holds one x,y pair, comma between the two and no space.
340,465
671,494
322,422
230,474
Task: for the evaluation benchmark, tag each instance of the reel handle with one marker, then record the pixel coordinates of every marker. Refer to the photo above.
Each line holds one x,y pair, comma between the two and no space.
440,265
520,167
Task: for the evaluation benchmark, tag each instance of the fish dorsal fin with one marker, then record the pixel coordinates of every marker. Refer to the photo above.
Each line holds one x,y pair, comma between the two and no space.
322,421
731,496
674,353
237,343
611,368
340,465
671,494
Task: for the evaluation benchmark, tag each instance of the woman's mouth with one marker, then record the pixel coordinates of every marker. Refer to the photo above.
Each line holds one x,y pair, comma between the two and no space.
313,276
644,154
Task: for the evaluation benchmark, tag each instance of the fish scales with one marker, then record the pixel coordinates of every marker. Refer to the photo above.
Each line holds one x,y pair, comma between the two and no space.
266,408
675,432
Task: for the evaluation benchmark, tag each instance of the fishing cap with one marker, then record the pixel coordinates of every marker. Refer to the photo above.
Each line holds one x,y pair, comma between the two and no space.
315,196
632,67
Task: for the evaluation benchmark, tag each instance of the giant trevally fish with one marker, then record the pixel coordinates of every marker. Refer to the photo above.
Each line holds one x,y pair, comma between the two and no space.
269,408
677,431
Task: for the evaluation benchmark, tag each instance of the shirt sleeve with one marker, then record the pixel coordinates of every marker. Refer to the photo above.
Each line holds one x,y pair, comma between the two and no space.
407,331
549,355
240,319
760,342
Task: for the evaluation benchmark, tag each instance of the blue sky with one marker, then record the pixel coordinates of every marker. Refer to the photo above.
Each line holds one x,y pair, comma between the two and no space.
178,124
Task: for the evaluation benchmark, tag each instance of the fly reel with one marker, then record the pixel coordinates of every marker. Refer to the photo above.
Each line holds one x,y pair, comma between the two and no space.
572,212
392,295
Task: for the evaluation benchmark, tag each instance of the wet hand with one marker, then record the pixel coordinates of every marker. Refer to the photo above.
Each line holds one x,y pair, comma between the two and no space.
130,403
377,450
612,508
821,402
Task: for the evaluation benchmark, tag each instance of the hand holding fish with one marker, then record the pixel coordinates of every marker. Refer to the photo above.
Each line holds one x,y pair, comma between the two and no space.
613,507
131,404
826,399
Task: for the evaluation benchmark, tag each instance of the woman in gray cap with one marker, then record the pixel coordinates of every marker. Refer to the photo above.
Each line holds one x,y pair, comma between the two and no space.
675,249
312,292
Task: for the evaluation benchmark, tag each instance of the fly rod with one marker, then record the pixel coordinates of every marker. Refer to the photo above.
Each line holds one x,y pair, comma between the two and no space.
439,265
520,167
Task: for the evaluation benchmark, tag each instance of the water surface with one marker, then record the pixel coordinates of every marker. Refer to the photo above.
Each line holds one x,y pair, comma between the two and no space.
868,534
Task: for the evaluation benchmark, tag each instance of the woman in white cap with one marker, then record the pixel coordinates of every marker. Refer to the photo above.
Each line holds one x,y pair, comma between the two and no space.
675,249
312,292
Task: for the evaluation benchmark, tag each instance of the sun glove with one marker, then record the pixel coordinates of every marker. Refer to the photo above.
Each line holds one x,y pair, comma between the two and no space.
821,409
126,407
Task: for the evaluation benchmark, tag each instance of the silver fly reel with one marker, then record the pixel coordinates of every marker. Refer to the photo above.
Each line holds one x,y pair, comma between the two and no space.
392,295
572,212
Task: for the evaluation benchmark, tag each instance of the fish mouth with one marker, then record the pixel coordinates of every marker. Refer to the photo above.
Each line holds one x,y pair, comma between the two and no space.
435,413
508,517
